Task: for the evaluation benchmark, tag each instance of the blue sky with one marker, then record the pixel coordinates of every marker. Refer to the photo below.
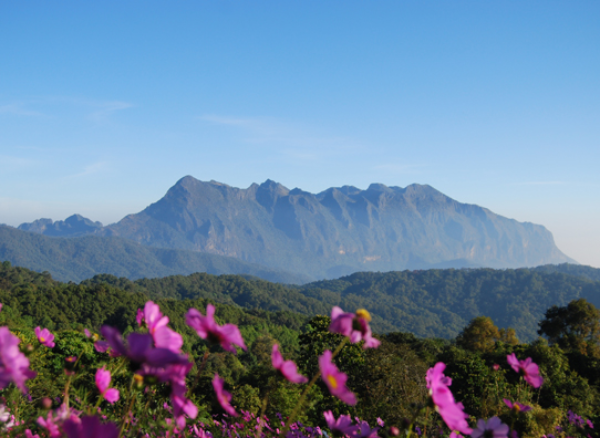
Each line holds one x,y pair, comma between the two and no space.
105,105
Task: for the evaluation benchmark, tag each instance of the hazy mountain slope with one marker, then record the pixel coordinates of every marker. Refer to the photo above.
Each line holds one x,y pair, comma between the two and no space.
75,259
73,226
338,231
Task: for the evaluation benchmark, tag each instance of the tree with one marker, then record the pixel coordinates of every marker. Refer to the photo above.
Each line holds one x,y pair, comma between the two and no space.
481,335
574,327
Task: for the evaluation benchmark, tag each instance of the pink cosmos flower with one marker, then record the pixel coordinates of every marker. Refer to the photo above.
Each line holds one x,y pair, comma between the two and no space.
494,427
14,366
590,424
103,379
163,336
450,411
342,425
29,434
45,337
223,396
207,328
354,326
365,431
49,424
140,349
516,406
335,379
287,368
531,372
89,427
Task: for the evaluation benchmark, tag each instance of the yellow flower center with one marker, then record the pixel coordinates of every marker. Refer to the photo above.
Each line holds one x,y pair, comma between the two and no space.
364,314
138,378
516,407
42,339
332,381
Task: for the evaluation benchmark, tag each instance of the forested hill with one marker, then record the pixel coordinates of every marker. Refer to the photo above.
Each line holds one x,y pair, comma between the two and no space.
429,303
441,302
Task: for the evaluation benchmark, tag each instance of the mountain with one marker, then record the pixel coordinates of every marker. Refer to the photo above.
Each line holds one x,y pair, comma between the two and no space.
338,231
72,226
79,258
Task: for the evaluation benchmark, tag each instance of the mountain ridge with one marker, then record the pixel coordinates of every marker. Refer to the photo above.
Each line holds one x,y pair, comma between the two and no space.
337,231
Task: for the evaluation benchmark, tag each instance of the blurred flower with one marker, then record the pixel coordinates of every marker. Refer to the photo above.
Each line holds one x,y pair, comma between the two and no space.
207,328
14,366
45,337
89,427
335,379
223,396
380,422
28,434
492,428
530,370
590,424
496,367
103,378
450,411
49,424
354,326
140,349
342,426
516,405
287,368
365,431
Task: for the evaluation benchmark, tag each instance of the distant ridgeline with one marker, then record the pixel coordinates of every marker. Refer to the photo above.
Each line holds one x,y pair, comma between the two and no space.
433,303
326,235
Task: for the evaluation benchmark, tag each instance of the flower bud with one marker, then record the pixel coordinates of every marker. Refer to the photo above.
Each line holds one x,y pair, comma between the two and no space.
394,431
46,403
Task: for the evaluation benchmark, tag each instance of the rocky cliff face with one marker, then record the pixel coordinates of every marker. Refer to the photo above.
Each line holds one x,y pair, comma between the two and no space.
338,231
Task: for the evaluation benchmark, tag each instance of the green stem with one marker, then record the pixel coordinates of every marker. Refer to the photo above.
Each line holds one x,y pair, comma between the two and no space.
265,402
200,369
307,389
131,396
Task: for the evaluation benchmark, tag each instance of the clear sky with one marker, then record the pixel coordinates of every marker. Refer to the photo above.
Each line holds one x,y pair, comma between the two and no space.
105,105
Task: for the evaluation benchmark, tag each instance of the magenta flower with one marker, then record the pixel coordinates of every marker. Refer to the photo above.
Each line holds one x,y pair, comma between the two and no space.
365,431
354,326
14,366
590,424
516,406
29,434
49,424
493,428
89,427
163,336
103,378
140,349
207,328
287,368
531,372
341,426
450,411
335,379
45,337
223,396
